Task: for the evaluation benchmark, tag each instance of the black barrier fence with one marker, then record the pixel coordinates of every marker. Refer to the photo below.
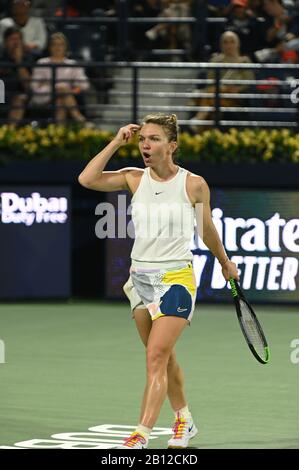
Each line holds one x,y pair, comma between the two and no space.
202,94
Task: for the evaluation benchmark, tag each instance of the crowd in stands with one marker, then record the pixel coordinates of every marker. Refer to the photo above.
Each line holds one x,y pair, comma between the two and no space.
250,31
70,82
229,54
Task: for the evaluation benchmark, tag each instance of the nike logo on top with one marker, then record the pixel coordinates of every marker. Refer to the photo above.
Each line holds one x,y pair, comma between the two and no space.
159,193
179,309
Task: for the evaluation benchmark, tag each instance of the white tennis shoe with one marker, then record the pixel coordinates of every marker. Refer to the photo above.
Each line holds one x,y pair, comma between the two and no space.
183,430
135,441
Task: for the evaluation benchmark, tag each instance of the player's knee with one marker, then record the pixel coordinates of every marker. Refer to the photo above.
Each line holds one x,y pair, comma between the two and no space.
156,358
172,363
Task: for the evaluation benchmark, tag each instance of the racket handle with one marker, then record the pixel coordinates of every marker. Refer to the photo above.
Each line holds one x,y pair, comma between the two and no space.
233,287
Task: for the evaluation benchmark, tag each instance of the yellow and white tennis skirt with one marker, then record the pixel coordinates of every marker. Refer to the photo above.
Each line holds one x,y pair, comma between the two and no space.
163,291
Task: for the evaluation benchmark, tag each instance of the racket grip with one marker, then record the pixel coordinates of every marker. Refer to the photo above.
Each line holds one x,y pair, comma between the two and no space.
233,287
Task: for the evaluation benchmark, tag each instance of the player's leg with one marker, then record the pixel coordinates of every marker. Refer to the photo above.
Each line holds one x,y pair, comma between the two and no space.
175,389
184,428
183,285
143,323
160,342
139,438
163,336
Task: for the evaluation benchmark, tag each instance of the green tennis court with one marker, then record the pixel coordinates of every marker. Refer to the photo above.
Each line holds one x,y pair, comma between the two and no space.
75,366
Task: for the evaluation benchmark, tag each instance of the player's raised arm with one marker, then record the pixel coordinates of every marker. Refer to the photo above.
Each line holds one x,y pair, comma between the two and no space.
94,177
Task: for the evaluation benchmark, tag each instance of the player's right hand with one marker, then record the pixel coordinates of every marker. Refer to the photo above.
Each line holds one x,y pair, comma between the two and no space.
126,133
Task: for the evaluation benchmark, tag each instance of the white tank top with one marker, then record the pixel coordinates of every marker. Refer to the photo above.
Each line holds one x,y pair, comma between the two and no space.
163,218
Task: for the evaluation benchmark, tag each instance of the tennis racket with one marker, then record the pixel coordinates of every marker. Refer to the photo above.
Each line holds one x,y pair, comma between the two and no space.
250,325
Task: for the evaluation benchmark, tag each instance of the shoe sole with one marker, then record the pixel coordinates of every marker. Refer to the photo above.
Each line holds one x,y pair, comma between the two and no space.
129,448
192,434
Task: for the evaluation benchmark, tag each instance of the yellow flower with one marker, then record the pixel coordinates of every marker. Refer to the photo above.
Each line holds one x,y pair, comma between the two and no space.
263,142
233,131
232,139
246,141
285,132
31,148
45,142
274,133
56,141
51,129
135,153
123,152
42,132
268,155
295,156
72,136
60,131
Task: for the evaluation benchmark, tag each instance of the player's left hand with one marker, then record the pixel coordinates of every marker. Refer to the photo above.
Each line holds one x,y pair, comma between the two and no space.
229,269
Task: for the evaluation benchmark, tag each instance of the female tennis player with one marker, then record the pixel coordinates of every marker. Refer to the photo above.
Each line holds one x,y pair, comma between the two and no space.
161,287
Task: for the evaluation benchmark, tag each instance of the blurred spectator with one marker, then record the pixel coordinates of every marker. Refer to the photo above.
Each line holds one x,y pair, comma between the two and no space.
277,89
270,99
47,6
139,42
217,7
282,31
70,82
84,8
145,7
33,29
174,36
281,24
249,29
68,10
230,54
16,78
255,8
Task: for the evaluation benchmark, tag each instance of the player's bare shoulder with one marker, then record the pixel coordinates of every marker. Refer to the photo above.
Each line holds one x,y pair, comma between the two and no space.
133,176
196,187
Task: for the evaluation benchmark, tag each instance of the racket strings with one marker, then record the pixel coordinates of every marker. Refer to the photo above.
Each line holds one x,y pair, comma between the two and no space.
252,330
